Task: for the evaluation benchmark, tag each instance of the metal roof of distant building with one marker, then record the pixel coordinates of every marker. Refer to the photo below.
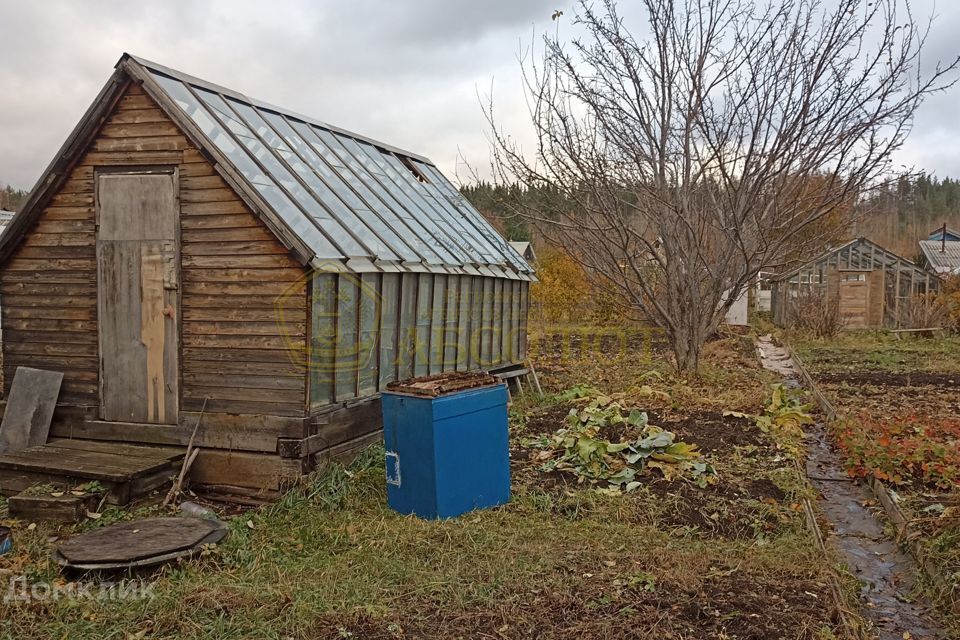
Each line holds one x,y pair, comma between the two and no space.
937,234
944,257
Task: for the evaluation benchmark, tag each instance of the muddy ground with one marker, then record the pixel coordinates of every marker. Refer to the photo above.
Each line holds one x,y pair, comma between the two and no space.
740,505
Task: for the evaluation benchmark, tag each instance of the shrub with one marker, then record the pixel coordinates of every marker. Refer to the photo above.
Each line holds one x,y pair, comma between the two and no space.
813,311
562,287
924,312
949,297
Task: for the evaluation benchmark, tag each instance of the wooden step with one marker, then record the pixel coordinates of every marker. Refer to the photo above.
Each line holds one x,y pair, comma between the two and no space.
65,509
126,470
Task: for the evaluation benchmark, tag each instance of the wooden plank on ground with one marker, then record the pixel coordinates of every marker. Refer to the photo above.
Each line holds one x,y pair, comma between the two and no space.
81,464
29,410
65,509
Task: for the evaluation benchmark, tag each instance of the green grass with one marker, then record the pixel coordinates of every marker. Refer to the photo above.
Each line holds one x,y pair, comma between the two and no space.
333,551
880,351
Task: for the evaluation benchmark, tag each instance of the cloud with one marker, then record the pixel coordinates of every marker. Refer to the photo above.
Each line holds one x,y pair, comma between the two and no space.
404,72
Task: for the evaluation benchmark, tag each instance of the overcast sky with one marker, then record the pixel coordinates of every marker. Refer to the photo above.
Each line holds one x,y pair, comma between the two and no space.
403,71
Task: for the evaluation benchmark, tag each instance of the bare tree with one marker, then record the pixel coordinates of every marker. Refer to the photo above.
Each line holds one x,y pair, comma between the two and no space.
677,166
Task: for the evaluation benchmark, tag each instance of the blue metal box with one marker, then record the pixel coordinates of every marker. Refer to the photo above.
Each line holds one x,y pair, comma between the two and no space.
449,454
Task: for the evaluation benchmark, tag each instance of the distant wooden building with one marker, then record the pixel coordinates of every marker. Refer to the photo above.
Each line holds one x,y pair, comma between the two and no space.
869,284
525,249
195,255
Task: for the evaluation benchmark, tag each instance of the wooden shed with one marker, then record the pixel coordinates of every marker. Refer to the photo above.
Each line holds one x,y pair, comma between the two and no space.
193,251
870,285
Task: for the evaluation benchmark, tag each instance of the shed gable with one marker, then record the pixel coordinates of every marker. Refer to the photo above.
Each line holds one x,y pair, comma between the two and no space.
233,270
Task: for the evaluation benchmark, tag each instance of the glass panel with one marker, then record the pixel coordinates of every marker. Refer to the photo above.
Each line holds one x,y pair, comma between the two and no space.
337,196
323,339
351,152
476,322
515,324
413,191
450,322
389,307
424,316
357,197
242,161
463,324
304,223
353,173
506,354
436,323
369,332
486,339
524,310
334,218
426,193
347,352
408,321
496,322
472,216
370,158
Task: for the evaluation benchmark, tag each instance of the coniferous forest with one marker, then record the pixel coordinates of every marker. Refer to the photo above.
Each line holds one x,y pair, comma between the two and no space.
896,215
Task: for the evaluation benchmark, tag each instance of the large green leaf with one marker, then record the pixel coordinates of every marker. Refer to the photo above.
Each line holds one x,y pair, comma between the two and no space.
655,440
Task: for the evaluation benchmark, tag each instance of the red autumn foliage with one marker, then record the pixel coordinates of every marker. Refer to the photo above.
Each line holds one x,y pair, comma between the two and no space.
909,449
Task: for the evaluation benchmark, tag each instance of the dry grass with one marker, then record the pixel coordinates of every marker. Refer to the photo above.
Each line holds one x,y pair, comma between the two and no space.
332,560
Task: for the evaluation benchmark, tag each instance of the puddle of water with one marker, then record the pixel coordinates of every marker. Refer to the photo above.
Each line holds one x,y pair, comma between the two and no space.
887,574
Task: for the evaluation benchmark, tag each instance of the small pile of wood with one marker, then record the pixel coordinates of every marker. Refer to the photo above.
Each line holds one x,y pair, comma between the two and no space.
443,383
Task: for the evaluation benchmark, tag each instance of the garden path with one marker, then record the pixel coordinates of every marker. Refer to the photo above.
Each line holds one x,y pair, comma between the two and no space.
887,574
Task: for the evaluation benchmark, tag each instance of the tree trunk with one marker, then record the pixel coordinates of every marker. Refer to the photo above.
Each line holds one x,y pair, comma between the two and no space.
687,340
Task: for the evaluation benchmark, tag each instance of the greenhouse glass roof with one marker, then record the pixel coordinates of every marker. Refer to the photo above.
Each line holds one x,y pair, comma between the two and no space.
346,196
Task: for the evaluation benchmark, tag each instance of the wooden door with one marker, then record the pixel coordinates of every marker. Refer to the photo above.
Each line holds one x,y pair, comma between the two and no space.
854,299
137,301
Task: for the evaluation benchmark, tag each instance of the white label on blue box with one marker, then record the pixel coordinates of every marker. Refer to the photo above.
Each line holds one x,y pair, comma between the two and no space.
393,474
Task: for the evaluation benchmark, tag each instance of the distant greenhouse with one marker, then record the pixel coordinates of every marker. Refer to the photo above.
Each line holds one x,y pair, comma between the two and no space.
871,286
5,217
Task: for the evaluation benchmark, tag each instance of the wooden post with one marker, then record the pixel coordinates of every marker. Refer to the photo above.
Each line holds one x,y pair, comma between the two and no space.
896,298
